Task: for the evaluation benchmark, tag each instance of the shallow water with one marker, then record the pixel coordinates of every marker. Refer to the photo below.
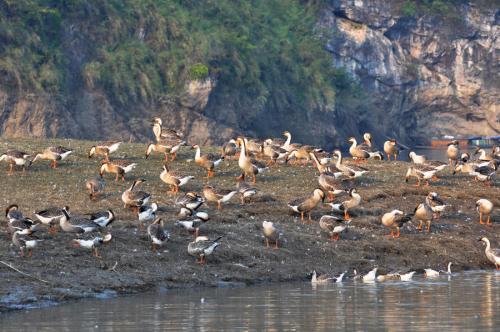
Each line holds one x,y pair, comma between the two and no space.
466,301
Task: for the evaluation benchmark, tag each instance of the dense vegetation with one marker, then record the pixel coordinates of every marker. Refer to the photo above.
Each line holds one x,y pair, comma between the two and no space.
264,52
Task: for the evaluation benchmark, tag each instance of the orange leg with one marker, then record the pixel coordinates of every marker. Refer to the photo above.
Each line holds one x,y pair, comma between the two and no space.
254,179
55,164
11,171
219,205
398,233
30,253
116,177
388,157
420,226
346,215
489,220
428,226
276,245
267,243
174,155
302,216
309,220
481,218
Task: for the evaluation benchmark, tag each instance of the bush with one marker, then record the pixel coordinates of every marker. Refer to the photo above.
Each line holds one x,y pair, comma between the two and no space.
198,71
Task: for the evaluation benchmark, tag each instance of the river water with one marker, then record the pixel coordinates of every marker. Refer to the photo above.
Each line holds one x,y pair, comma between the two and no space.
465,301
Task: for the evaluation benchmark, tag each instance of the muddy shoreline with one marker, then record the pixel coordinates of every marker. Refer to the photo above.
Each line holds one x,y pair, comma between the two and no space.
128,265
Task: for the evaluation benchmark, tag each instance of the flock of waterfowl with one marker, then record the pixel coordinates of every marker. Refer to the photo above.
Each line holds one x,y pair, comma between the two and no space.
253,157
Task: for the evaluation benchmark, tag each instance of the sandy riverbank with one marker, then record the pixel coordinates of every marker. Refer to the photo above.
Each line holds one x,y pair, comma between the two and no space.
128,265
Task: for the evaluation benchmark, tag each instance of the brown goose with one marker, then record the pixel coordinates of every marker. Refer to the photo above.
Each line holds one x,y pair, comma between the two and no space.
395,219
333,226
424,212
95,186
118,167
306,205
217,196
15,157
249,166
133,198
207,161
173,180
54,154
271,233
356,151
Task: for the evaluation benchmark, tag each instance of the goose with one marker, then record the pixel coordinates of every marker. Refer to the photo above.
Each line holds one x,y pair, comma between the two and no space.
24,241
484,174
420,173
161,133
391,149
102,218
92,242
218,196
407,276
18,222
207,161
288,146
135,199
77,225
173,180
465,157
430,273
230,149
492,254
484,207
15,157
435,164
303,153
245,190
423,212
273,152
95,186
249,166
351,171
54,154
356,151
395,219
370,276
190,200
104,149
322,279
367,145
157,234
146,214
271,233
165,147
345,206
118,167
417,159
334,226
202,247
452,152
322,168
306,205
328,182
52,216
483,156
193,224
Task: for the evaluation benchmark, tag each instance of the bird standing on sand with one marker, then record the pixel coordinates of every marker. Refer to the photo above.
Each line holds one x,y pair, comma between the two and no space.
423,212
207,161
218,196
484,207
492,254
334,226
92,241
271,233
306,205
158,235
95,186
15,157
345,206
202,247
395,219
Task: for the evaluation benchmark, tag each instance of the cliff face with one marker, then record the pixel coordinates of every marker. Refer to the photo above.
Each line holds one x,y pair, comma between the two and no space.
419,76
426,76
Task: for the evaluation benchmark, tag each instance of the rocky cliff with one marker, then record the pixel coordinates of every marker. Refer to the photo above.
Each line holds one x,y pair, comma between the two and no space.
91,70
426,75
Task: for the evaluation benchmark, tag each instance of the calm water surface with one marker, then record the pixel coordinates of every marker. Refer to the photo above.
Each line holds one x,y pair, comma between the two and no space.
467,301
